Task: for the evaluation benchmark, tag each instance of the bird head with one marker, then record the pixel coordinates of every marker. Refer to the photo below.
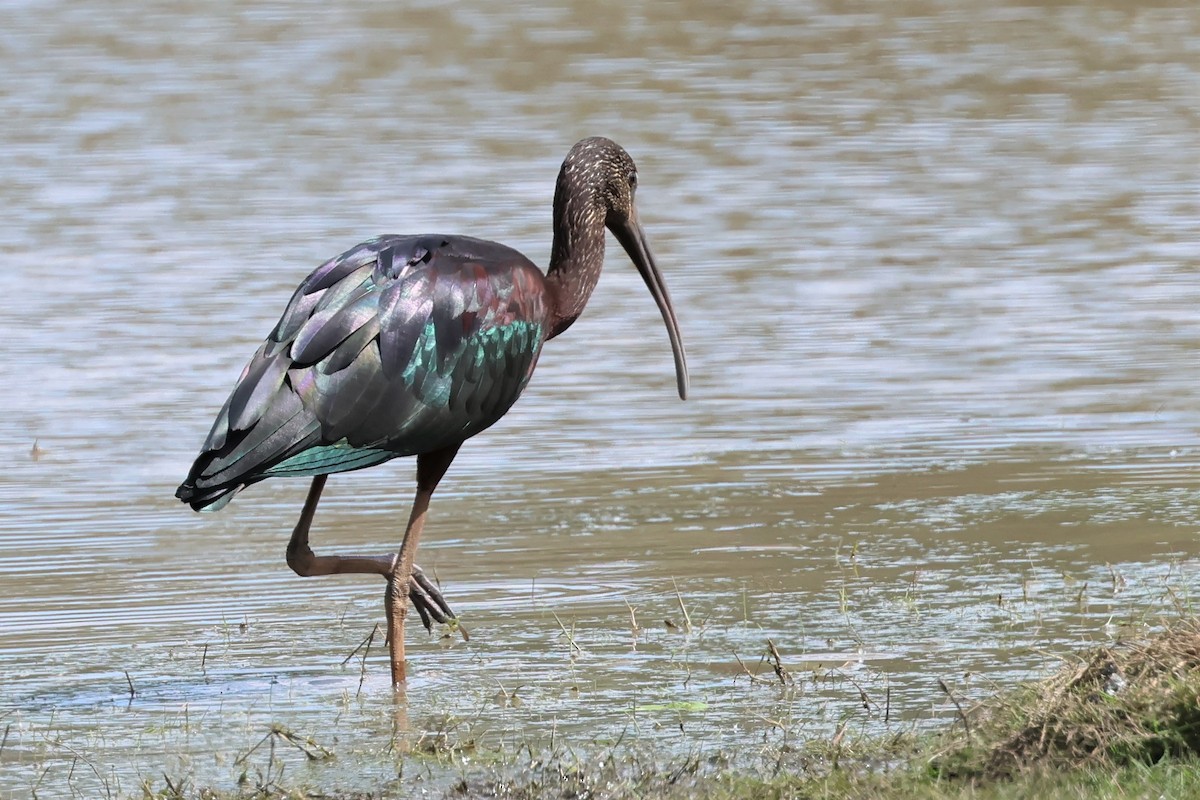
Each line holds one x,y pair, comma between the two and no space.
609,171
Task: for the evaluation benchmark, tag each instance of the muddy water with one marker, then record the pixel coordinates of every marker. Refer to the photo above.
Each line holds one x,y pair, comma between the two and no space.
935,268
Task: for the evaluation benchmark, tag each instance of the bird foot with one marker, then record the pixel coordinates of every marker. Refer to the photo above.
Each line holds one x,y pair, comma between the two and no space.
431,606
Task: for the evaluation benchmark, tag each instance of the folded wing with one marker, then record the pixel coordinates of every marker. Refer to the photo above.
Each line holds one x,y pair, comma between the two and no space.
399,346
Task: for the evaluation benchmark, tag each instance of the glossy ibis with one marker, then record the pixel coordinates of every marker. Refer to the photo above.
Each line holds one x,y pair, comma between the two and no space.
410,345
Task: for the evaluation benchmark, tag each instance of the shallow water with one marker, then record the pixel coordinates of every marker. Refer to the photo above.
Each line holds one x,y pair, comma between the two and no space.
934,264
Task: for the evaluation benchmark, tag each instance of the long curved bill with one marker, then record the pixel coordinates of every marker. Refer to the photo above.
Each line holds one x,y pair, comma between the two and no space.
633,239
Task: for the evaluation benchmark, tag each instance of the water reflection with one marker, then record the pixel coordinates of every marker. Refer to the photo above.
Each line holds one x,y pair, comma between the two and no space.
933,264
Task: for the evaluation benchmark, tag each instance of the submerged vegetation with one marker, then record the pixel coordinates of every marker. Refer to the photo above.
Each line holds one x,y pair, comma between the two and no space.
1117,720
890,682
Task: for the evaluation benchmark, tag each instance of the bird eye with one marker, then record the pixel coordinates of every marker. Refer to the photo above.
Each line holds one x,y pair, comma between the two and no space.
633,180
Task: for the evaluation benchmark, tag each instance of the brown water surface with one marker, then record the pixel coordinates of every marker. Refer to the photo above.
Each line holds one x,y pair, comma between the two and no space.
935,266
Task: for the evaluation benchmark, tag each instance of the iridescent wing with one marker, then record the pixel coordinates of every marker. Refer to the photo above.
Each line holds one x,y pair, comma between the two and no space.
398,346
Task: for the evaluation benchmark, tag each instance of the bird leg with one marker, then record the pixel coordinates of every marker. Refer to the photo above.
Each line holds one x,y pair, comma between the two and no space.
430,469
425,596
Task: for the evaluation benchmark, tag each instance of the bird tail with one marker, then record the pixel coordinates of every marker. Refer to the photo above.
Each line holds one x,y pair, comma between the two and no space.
202,493
209,499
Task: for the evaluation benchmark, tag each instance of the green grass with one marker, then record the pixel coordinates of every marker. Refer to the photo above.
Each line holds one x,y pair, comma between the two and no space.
1125,705
1164,779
